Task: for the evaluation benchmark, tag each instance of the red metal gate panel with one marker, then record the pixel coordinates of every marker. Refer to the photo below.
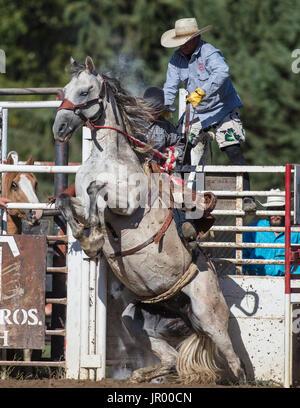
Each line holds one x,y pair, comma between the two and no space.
22,291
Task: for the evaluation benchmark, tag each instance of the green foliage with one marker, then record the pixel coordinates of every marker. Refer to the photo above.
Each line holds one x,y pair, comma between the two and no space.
123,36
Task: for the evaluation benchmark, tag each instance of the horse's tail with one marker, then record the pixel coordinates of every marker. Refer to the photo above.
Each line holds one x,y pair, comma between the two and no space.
196,361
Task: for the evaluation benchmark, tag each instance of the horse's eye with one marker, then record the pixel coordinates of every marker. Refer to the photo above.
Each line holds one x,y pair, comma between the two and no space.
14,185
84,94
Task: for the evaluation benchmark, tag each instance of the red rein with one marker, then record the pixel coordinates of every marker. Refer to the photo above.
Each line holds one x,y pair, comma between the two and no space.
136,141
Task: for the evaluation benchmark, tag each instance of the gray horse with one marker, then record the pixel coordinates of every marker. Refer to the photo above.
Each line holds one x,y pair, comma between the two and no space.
140,242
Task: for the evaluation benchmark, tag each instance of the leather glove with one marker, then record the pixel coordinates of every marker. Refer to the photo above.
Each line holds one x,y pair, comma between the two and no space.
196,97
202,137
170,163
194,132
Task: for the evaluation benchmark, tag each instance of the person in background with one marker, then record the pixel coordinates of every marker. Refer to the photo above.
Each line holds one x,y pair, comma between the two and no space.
276,203
214,102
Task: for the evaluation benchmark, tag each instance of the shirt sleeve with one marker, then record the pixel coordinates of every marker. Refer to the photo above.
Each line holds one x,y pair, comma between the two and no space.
172,83
219,72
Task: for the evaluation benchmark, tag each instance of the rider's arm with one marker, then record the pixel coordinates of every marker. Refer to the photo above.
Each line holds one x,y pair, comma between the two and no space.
172,82
218,69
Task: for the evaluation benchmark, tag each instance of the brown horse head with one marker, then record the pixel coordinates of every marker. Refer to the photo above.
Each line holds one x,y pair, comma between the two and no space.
20,188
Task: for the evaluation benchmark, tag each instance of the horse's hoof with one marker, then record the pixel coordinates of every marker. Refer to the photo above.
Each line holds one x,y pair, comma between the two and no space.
62,201
241,376
93,188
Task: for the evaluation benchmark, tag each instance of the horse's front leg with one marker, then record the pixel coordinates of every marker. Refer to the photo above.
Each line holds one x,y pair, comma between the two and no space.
95,238
69,207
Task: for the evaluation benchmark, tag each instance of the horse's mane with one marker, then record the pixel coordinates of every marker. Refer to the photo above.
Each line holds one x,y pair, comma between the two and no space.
136,112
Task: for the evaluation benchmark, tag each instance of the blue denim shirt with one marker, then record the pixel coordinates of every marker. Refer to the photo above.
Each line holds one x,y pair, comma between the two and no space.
207,70
267,253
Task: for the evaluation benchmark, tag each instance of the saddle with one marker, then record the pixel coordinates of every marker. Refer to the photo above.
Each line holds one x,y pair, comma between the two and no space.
173,191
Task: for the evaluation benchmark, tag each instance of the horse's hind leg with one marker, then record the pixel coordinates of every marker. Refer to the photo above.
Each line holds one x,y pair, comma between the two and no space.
153,329
210,313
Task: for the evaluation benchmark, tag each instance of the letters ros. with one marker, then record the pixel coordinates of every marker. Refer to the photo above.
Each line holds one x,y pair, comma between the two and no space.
19,317
296,64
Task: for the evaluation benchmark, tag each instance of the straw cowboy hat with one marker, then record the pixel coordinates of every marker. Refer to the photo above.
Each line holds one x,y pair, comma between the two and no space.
273,200
185,29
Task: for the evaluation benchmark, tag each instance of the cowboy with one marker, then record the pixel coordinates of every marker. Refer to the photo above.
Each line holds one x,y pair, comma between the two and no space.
213,102
162,134
274,203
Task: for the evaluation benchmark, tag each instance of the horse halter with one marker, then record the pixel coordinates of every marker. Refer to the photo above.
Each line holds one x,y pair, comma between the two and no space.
77,109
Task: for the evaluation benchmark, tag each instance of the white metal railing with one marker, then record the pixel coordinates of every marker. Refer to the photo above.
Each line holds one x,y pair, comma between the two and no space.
30,104
237,261
35,168
240,169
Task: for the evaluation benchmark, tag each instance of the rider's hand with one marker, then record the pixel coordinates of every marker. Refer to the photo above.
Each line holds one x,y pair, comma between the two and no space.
195,132
202,137
170,163
196,97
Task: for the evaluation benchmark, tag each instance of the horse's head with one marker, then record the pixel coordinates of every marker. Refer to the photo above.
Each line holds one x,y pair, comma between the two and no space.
21,188
82,100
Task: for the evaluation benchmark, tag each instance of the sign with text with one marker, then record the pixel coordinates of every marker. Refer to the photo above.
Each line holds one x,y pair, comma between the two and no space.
22,291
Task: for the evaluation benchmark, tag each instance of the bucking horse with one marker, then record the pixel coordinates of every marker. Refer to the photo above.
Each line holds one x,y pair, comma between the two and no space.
180,313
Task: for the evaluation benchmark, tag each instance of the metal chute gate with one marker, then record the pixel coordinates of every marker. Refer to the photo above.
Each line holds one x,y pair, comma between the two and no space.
256,303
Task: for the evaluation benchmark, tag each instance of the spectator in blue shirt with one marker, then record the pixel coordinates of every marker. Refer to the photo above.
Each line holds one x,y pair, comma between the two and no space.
214,101
273,203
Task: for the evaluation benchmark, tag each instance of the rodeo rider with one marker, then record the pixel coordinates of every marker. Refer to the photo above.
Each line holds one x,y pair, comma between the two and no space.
214,102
